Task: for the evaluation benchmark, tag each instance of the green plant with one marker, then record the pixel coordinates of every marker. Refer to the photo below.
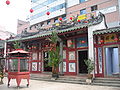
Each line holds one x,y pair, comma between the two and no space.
90,65
54,56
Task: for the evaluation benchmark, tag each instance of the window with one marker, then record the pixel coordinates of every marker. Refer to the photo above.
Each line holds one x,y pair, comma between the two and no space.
63,17
83,11
56,20
52,9
48,22
81,1
93,8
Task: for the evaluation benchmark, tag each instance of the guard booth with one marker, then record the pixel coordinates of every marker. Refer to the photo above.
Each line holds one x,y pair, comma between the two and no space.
18,66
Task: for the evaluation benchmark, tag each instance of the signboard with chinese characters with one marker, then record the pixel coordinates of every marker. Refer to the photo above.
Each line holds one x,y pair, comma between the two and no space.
64,66
100,59
81,17
34,56
72,55
72,67
34,66
109,38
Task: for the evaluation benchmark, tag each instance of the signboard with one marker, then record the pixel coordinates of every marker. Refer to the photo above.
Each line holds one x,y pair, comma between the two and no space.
110,38
81,17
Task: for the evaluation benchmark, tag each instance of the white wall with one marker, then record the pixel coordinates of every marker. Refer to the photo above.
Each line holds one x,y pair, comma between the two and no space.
90,37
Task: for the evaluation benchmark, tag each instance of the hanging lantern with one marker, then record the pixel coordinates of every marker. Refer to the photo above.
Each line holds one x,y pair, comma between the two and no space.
116,39
71,43
29,47
60,19
7,2
101,41
82,41
85,21
48,13
78,20
46,45
71,18
31,10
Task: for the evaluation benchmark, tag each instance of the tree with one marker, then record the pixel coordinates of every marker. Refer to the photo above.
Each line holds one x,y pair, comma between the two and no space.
54,54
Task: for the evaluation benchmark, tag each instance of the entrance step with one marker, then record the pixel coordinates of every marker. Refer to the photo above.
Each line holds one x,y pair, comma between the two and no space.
107,82
114,82
63,79
72,79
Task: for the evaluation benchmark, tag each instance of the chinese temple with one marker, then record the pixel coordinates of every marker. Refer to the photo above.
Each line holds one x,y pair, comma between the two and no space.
88,38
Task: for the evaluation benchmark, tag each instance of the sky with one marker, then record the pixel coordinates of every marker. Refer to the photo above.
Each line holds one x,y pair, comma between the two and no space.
9,14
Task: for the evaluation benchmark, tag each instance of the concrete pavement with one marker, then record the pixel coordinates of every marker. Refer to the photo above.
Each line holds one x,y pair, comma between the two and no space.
45,85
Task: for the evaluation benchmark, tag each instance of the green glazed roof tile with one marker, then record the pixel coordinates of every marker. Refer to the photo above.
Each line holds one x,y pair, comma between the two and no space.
109,30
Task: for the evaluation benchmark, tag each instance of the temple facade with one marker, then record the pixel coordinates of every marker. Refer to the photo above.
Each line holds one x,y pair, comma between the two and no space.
88,39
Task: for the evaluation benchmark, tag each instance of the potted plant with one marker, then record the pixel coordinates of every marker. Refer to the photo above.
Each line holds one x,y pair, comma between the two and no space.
54,54
90,68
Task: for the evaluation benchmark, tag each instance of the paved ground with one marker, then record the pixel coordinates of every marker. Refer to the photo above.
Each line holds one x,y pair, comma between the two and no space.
44,85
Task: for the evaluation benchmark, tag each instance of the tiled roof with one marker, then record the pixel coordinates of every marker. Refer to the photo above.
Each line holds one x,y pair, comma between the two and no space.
109,30
47,33
62,29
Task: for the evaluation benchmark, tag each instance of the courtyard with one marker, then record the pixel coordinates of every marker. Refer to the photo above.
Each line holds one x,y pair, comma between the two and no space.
45,85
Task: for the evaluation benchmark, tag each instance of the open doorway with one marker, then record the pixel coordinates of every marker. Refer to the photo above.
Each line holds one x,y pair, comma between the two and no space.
82,55
112,61
46,60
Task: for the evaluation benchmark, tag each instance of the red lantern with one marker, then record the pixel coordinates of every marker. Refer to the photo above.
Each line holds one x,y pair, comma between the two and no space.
82,41
78,20
71,43
101,41
46,45
48,13
7,2
60,19
71,18
116,39
31,10
85,21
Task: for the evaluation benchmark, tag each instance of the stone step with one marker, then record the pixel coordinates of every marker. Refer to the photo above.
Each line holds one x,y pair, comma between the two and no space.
107,84
107,81
60,80
63,79
71,79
